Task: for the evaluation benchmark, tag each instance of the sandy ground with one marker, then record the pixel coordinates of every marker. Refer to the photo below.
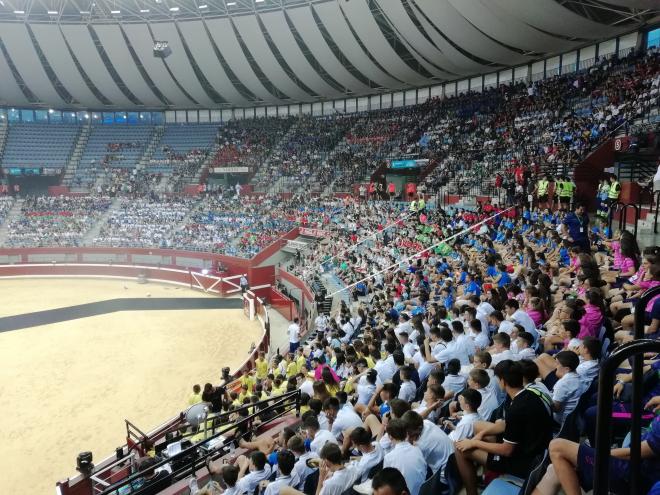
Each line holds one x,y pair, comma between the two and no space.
67,387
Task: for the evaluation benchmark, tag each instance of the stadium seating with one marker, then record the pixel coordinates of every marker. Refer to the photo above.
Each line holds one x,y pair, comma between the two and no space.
39,145
112,146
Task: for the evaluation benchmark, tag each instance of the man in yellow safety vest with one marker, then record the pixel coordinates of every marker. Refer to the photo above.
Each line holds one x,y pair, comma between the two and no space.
615,190
542,191
566,193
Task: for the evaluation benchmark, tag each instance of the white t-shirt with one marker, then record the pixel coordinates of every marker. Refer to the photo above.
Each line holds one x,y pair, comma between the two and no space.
501,356
489,403
301,470
506,327
455,383
320,439
526,353
566,391
407,391
274,487
465,427
385,368
340,481
294,333
365,390
481,340
409,460
587,371
346,418
368,461
435,446
249,482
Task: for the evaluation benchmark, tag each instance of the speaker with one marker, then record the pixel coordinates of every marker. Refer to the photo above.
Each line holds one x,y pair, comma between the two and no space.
162,49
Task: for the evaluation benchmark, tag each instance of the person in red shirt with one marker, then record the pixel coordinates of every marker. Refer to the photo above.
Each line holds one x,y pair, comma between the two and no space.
391,190
411,189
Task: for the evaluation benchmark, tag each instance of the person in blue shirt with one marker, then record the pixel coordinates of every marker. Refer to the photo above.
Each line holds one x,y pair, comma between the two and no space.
578,227
472,287
503,278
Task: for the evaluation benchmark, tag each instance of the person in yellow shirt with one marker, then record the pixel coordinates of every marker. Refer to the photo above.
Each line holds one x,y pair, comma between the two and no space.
247,380
244,393
261,365
300,359
196,396
291,366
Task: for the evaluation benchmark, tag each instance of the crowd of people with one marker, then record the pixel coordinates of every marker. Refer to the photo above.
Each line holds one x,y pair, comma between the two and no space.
471,338
48,221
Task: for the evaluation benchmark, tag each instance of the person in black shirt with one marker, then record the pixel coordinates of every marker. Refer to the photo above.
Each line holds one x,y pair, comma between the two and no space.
526,431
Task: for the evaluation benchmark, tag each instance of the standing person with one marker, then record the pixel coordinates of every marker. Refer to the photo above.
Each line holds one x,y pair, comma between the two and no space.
294,335
577,222
614,192
566,194
243,282
541,190
391,190
362,192
238,189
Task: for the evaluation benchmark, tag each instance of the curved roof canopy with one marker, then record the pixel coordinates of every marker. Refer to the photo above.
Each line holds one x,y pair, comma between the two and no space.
98,54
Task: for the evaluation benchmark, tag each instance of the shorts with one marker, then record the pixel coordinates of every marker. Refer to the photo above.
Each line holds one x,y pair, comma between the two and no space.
293,347
543,198
550,380
508,465
618,470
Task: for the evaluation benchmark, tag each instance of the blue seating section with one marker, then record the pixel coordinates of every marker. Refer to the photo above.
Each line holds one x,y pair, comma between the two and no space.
180,139
39,145
112,146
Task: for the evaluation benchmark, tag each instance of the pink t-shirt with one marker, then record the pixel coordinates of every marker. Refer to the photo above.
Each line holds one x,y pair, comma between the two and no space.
537,316
626,264
591,322
647,284
616,249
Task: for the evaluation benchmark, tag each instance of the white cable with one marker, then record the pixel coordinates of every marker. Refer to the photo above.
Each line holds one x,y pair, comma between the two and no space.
420,252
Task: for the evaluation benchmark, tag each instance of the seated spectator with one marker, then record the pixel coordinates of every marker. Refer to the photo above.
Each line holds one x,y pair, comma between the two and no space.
526,432
407,458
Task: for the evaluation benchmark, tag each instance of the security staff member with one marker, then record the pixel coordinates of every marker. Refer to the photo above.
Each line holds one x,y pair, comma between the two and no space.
615,190
542,191
566,193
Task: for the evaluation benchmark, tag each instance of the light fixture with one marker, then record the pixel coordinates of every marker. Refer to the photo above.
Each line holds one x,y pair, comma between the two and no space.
115,12
174,9
50,110
52,12
144,11
259,1
85,12
86,115
203,6
231,4
19,12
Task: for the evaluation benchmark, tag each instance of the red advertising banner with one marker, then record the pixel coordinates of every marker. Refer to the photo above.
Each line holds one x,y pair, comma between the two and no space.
314,232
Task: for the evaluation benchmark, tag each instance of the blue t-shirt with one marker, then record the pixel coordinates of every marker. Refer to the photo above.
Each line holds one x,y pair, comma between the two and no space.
504,280
491,271
473,288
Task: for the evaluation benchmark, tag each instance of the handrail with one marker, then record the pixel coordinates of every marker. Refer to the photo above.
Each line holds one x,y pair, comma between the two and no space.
634,350
624,214
277,402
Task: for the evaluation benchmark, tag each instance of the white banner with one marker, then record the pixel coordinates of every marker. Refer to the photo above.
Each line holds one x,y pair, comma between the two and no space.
230,170
314,232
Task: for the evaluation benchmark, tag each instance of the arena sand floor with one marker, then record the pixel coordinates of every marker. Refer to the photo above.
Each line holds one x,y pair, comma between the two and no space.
67,386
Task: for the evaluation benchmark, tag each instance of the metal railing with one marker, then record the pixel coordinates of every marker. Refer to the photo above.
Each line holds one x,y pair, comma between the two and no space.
213,445
622,208
635,351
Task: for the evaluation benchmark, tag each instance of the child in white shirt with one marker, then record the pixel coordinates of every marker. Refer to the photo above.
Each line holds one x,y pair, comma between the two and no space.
524,342
408,390
454,381
469,400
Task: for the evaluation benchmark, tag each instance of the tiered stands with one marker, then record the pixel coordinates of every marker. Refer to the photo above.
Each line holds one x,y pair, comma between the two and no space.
112,146
39,145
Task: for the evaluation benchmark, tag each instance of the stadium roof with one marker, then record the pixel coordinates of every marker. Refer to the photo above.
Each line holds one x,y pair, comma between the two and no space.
232,53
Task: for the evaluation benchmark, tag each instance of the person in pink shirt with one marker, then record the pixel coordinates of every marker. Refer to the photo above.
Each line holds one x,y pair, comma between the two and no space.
536,311
594,311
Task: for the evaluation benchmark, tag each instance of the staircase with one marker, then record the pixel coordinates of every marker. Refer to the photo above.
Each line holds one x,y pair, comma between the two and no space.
13,215
332,285
4,133
156,136
88,239
76,154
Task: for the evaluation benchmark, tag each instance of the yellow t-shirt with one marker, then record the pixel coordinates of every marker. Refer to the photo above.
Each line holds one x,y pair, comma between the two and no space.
332,389
261,366
194,399
300,362
248,380
370,361
303,409
291,369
